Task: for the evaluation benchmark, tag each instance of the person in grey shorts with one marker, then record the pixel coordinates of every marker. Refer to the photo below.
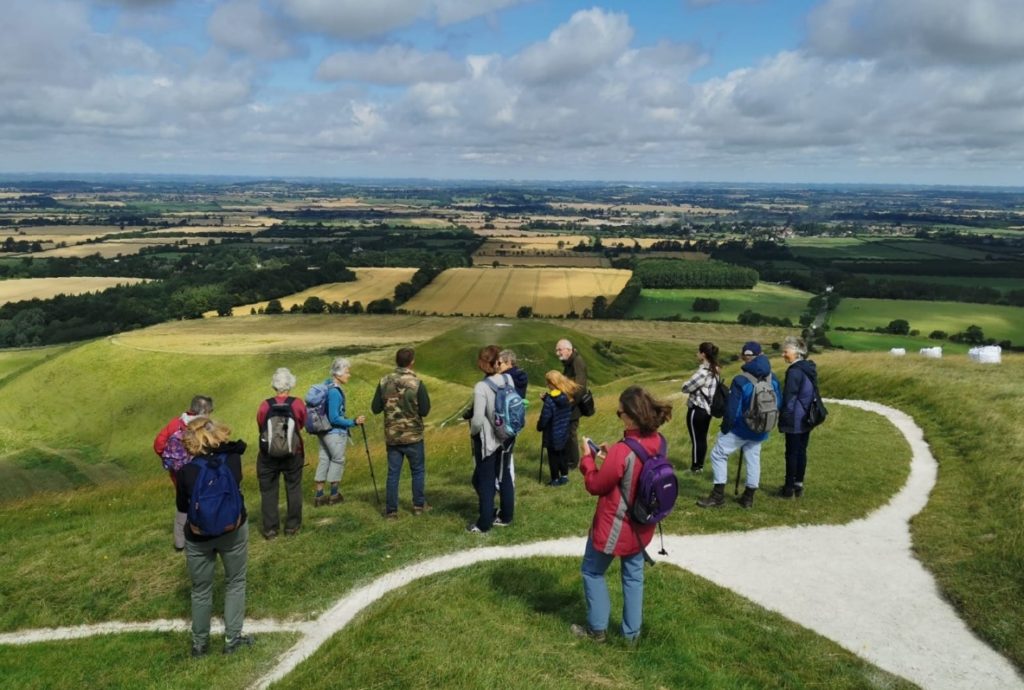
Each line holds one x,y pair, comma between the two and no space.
331,465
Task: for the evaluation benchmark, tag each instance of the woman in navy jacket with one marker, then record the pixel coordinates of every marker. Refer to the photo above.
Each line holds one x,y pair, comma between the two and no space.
797,396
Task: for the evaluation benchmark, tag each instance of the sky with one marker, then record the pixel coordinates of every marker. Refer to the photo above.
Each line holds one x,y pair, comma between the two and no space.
794,91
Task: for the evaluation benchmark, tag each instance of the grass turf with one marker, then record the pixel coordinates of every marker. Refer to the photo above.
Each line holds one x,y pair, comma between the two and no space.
765,298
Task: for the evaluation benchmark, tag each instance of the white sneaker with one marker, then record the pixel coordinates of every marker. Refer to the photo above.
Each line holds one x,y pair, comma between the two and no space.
498,522
473,529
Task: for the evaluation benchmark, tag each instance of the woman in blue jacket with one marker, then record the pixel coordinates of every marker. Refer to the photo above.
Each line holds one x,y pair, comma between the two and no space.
554,421
797,396
331,465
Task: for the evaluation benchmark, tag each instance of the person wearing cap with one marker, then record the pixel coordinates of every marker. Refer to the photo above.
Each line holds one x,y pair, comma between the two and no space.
736,434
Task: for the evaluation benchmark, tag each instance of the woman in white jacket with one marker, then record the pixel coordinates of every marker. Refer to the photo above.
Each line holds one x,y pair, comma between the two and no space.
492,456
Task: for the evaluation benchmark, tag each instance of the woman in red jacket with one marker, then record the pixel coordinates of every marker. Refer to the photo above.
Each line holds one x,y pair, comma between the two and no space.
612,533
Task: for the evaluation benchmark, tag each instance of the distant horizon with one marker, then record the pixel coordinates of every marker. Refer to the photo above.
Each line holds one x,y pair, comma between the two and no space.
887,92
7,178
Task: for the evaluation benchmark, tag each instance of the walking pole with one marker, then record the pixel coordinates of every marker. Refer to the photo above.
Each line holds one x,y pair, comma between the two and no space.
366,444
739,464
540,470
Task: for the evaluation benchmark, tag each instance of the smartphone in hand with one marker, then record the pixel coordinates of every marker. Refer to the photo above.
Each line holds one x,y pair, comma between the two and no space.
594,450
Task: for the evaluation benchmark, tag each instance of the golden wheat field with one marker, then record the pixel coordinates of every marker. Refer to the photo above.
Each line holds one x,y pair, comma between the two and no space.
114,248
502,291
19,289
370,284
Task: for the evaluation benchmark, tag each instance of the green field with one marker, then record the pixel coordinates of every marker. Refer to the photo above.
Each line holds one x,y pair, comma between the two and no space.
1002,284
765,298
999,322
860,341
886,248
85,514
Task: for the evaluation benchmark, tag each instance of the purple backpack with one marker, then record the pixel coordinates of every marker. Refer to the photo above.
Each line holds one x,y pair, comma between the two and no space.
658,486
175,456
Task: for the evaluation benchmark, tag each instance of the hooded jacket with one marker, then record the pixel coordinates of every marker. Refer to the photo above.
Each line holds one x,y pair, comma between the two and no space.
801,378
554,419
740,393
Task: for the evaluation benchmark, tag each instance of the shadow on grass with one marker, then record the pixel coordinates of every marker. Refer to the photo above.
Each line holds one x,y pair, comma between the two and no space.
535,587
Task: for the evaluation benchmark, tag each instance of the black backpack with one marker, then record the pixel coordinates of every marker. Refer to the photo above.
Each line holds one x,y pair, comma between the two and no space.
719,399
279,437
816,411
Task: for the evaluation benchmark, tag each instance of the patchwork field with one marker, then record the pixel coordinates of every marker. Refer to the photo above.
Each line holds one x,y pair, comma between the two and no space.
882,248
999,322
370,284
764,298
502,291
115,248
20,289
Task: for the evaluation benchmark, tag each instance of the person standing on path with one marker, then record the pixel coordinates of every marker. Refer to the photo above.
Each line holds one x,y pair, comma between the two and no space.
612,533
575,368
403,399
491,455
209,441
331,459
736,434
700,388
284,416
797,397
201,406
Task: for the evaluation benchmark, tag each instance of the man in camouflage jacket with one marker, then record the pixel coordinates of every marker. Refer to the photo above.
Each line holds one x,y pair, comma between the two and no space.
403,399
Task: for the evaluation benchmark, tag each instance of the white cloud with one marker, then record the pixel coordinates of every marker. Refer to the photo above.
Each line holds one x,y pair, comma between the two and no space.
354,19
455,11
391,65
939,31
589,39
241,25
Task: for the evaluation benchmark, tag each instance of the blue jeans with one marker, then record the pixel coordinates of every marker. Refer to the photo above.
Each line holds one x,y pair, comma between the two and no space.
595,589
726,445
415,453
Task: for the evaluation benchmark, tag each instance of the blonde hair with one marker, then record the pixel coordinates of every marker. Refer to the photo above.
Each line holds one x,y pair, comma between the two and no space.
203,434
559,381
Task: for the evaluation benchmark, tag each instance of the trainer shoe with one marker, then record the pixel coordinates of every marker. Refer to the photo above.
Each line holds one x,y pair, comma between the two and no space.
199,650
584,632
241,641
419,510
498,522
473,529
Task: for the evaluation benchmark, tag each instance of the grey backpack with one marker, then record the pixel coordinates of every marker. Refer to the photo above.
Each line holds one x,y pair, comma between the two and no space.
763,413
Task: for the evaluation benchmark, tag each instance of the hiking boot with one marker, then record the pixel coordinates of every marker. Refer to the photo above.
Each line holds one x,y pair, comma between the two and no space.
747,499
270,534
320,500
786,491
419,510
391,515
291,531
584,631
237,643
563,480
716,499
696,469
199,650
336,498
798,490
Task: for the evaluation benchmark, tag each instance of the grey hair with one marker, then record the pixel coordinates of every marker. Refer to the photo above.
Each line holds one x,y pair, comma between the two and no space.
507,356
567,343
339,366
201,406
282,380
795,344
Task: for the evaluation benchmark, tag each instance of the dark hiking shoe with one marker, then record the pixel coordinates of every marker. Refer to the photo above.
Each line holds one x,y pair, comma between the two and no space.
291,531
798,490
716,499
696,469
199,650
320,500
747,499
270,534
584,632
336,498
786,492
237,643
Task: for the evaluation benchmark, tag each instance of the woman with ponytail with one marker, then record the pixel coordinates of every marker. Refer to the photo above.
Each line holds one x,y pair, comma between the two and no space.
701,389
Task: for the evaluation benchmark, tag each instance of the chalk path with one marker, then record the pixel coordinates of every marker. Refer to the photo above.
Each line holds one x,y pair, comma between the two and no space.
857,584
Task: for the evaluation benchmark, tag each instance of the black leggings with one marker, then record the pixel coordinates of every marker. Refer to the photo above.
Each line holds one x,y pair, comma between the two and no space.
558,461
697,423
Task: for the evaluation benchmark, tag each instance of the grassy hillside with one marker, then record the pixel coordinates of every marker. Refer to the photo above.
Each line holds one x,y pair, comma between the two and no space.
999,322
765,298
85,420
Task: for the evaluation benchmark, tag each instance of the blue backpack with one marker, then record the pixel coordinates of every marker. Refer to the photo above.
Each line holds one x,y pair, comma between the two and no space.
509,409
658,486
317,419
216,505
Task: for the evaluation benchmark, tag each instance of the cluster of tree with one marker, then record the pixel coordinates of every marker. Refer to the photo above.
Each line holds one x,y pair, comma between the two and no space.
705,304
857,286
420,279
752,318
20,246
676,273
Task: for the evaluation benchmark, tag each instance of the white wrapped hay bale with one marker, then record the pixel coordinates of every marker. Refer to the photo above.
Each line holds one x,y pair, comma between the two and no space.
931,352
990,354
898,351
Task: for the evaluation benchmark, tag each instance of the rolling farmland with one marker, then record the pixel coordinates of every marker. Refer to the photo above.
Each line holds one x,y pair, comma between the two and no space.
20,289
502,291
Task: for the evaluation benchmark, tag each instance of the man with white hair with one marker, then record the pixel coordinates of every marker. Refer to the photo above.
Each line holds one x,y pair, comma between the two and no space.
574,368
279,421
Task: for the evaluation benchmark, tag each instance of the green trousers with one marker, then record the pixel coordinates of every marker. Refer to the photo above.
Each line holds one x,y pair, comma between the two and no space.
201,557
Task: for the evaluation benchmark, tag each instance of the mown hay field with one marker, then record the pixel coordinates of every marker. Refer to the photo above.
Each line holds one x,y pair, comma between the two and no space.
19,289
502,291
370,284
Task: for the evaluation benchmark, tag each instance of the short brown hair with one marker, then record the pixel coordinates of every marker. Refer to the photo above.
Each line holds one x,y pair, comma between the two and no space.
405,357
647,413
203,434
487,360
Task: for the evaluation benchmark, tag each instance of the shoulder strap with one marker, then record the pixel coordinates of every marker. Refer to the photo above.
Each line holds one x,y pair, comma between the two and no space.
638,449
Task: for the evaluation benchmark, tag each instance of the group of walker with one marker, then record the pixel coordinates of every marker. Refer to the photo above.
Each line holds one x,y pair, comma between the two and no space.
197,451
